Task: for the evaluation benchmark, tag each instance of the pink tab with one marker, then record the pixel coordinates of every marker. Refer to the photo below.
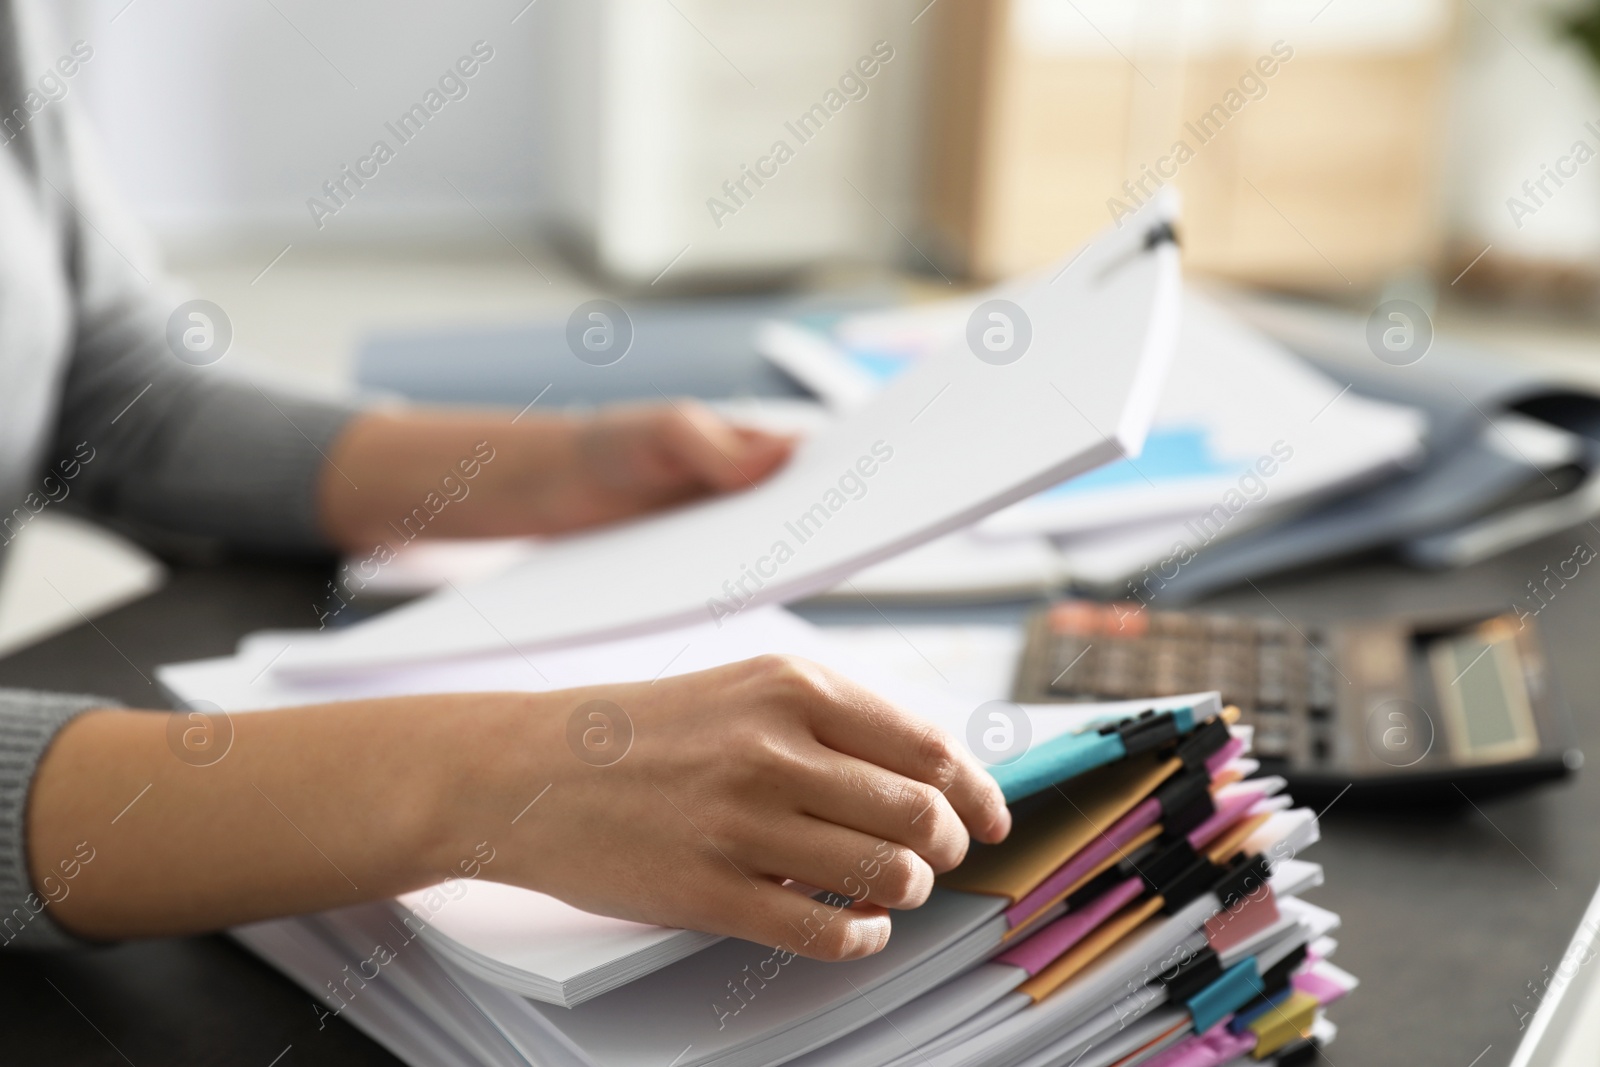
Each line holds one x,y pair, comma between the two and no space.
1037,951
1218,759
1211,1049
1228,812
1088,858
1251,915
1324,989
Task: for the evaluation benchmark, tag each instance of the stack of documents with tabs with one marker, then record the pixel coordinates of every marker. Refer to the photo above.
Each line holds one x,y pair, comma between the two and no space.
1146,906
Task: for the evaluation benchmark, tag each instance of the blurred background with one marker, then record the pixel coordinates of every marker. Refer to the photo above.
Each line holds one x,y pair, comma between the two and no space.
1387,146
537,153
1385,152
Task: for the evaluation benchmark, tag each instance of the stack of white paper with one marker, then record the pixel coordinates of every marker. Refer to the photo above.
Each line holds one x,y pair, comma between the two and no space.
499,975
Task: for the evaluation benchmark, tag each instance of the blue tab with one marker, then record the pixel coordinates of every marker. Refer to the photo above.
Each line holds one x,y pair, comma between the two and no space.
1063,758
1238,986
1056,761
1245,1018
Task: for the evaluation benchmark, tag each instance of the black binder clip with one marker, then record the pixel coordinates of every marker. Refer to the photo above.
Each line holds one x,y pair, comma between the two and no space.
1196,974
1243,878
1203,742
1146,732
1185,801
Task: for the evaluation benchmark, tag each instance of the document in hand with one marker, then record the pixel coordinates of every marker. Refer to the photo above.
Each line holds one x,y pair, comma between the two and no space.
1058,374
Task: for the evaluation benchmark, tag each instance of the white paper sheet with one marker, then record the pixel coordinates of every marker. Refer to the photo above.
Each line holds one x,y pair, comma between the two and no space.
944,445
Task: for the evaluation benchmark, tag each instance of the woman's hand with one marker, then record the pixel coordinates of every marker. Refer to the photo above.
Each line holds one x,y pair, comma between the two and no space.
730,782
392,476
736,779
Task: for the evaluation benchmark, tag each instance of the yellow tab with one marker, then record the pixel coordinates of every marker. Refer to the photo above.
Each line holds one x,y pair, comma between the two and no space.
1057,826
1089,949
1149,834
1230,714
1226,776
1283,1023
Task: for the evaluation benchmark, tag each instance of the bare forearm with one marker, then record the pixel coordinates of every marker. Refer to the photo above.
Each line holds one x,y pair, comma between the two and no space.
393,476
687,801
310,808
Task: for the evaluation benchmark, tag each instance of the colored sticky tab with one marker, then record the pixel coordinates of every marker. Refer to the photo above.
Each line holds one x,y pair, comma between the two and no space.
1238,986
1229,811
1229,843
1056,761
1064,758
1244,917
1110,845
1225,755
1212,1049
1287,1022
1241,1022
1033,954
1024,913
1057,827
1089,949
1317,984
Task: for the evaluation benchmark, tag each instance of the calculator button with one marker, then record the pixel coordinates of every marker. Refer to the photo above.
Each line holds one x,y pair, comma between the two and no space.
1274,735
1072,669
1168,666
1115,675
1074,618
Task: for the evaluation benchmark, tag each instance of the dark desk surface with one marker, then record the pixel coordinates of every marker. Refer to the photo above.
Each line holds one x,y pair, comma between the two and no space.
1448,915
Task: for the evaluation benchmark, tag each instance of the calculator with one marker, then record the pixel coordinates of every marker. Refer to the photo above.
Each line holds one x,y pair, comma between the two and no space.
1399,708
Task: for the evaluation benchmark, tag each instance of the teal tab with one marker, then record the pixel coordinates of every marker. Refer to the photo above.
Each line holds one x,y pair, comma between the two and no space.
1056,761
1070,755
1238,986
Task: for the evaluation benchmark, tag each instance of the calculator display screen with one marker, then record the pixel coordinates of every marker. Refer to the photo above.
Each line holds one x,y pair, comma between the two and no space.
1478,676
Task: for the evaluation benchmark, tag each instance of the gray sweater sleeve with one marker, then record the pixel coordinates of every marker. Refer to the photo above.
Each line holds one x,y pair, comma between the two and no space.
152,442
29,721
192,450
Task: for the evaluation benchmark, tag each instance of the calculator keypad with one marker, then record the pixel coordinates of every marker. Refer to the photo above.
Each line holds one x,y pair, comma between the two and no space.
1281,678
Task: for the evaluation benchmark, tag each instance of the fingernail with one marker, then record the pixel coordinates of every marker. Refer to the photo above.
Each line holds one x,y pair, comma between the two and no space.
872,937
1001,825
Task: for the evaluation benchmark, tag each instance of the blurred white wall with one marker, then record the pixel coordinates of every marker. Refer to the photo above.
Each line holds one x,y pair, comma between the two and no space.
222,119
1524,96
732,139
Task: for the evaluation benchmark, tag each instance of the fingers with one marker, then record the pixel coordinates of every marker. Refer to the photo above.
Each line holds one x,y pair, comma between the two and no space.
849,719
714,451
856,865
764,452
885,806
769,914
